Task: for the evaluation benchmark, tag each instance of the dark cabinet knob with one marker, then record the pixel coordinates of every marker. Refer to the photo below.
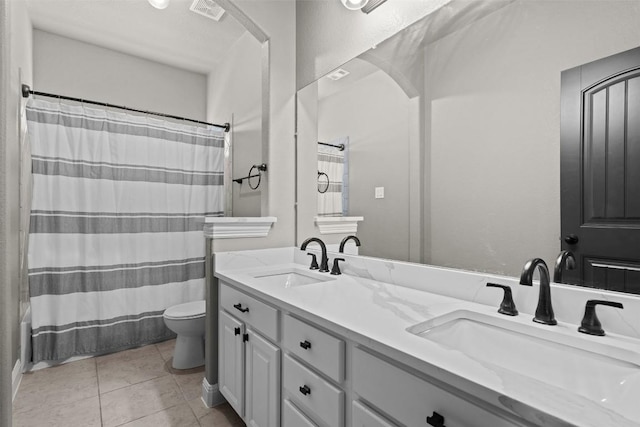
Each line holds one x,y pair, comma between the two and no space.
245,337
571,239
507,306
436,420
239,307
305,344
305,390
237,331
590,323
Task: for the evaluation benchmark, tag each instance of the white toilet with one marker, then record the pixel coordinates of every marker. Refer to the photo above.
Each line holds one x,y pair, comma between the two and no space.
187,321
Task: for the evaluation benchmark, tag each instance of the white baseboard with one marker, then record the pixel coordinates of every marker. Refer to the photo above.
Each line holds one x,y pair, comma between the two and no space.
16,377
211,395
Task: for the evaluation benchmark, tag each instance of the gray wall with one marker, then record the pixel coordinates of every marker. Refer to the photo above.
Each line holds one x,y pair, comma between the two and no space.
491,115
5,289
20,71
374,113
277,18
494,120
307,157
15,63
329,34
74,68
235,89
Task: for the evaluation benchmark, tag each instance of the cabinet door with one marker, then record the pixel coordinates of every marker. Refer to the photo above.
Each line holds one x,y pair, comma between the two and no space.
365,417
293,417
410,400
231,363
263,382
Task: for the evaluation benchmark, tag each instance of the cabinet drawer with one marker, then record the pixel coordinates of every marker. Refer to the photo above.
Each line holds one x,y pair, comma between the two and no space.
292,417
259,315
315,395
410,400
318,349
365,417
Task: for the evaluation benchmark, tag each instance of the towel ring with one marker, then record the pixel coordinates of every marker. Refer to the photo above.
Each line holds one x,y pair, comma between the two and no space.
323,186
261,168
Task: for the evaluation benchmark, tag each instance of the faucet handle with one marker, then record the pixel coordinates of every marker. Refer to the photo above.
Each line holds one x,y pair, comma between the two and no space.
590,323
507,306
314,261
335,270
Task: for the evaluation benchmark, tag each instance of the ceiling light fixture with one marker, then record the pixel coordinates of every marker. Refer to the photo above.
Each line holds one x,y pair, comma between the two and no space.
354,4
368,8
159,4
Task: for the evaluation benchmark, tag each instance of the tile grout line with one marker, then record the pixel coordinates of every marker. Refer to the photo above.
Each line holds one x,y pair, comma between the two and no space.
191,409
195,416
120,387
95,362
148,415
142,382
153,413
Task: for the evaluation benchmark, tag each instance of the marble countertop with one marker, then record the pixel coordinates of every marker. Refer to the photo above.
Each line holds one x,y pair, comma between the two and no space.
376,314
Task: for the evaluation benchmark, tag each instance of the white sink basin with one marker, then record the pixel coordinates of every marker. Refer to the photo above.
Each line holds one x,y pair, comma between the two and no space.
577,363
290,278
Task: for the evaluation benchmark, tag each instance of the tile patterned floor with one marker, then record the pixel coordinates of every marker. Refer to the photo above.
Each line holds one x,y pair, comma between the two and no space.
133,388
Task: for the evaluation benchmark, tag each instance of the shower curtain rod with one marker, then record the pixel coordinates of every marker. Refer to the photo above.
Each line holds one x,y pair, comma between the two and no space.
339,146
26,91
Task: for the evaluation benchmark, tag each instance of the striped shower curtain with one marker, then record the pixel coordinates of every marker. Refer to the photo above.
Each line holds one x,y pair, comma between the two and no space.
333,200
116,225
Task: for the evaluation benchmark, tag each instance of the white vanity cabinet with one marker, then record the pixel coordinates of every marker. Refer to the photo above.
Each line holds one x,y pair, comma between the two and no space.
411,400
314,358
249,364
365,417
231,361
319,378
262,391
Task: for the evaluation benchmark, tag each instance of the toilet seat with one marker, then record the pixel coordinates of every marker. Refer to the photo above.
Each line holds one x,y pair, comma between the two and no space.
186,311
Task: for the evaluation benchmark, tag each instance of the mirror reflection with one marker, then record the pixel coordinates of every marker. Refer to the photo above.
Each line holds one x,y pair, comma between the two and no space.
366,112
484,193
175,61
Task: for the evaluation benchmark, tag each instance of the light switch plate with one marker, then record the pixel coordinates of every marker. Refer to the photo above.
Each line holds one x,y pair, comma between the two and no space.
379,193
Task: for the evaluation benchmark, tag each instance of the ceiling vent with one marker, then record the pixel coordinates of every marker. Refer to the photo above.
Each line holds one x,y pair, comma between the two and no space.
207,8
338,74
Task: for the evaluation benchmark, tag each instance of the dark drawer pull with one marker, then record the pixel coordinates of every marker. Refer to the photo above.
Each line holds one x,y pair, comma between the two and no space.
239,307
436,420
305,344
237,331
305,390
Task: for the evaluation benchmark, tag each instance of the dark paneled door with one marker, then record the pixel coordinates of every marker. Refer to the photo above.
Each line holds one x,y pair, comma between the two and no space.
600,171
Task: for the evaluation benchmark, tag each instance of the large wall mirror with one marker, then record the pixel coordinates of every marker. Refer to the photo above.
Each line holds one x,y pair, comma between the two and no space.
185,60
476,160
357,138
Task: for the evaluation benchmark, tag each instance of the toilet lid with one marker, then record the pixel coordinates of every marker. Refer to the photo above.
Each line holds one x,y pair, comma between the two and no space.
187,310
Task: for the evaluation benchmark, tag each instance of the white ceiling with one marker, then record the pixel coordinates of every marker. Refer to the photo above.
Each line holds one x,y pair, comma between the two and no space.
175,36
357,68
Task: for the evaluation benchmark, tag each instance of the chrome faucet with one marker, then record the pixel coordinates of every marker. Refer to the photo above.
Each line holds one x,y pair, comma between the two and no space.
345,240
324,262
544,311
564,260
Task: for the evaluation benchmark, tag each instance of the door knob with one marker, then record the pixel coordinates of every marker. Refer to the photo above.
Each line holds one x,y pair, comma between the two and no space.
571,239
